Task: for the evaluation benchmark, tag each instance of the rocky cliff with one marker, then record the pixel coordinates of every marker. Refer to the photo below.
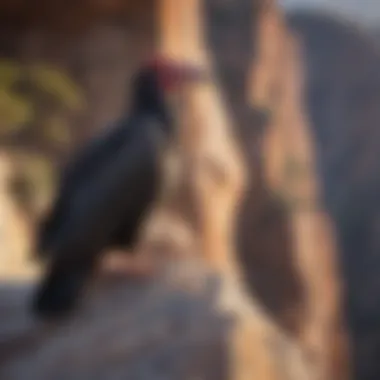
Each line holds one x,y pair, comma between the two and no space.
343,94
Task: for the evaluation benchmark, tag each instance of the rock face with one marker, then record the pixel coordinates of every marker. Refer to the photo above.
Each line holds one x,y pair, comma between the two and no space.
343,93
14,232
285,239
183,324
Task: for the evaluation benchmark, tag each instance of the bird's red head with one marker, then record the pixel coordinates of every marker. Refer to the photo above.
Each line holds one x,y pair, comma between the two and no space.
172,74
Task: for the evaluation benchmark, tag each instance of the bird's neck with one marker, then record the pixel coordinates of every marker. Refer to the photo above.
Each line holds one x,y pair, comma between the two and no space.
158,112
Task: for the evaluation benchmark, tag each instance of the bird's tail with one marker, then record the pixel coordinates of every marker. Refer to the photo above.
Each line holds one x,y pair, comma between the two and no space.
59,291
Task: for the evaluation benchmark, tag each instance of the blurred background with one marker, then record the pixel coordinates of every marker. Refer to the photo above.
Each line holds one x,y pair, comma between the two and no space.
64,73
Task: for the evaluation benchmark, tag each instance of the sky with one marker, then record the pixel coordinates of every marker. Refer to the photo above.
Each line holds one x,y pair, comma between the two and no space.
367,11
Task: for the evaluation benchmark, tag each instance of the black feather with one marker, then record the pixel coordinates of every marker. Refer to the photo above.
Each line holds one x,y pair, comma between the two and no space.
104,195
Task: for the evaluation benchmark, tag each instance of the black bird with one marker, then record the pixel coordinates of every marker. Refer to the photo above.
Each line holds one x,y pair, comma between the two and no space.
107,190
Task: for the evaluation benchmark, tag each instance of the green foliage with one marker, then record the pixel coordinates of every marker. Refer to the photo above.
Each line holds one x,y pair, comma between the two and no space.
58,85
56,129
35,101
23,91
9,73
15,111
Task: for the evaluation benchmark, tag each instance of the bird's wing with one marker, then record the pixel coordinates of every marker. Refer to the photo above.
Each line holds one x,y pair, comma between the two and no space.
143,187
119,195
82,167
116,199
